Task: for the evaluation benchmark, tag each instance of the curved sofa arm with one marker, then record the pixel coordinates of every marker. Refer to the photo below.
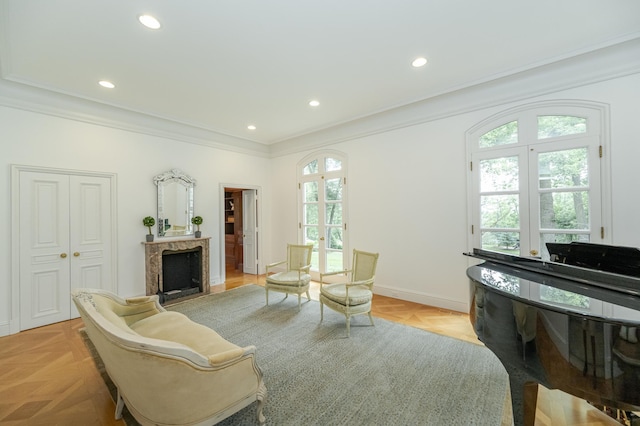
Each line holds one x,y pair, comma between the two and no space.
227,357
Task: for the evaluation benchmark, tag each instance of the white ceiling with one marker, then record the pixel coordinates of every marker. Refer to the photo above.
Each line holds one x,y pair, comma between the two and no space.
222,65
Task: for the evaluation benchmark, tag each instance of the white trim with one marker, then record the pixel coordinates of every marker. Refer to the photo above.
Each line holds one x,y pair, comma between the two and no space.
422,298
16,169
606,63
261,262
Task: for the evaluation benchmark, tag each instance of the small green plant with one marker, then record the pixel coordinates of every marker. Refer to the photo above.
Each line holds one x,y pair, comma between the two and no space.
197,220
149,222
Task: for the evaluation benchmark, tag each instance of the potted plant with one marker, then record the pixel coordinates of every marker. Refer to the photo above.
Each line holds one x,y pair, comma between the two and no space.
197,221
149,222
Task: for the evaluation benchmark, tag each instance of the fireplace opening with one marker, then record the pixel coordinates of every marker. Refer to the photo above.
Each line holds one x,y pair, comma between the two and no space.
181,274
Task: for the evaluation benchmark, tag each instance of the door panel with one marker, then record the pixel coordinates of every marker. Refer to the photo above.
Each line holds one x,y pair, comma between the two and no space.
249,231
65,242
44,249
90,242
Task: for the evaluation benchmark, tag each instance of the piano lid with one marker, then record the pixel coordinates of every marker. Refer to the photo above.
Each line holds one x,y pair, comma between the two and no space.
585,272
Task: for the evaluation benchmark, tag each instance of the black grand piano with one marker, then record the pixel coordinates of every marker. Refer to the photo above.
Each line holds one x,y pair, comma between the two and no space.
571,324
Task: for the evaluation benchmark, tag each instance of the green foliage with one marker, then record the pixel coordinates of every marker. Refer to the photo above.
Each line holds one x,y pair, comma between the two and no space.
197,220
149,221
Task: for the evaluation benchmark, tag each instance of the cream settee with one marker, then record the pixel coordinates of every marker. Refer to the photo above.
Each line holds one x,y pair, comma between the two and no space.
168,369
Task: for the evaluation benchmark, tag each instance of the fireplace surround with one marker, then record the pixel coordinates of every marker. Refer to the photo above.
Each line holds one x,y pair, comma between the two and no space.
189,257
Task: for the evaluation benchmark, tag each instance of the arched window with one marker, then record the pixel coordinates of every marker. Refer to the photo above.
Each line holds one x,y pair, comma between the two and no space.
322,209
538,174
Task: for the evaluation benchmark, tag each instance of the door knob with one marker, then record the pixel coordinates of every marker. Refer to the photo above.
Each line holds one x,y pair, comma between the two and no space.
76,254
63,255
533,252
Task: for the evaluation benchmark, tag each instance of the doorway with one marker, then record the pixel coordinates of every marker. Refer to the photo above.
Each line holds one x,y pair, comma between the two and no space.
64,240
240,229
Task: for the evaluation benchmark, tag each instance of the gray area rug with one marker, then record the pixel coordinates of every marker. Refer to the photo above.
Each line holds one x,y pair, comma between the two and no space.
389,374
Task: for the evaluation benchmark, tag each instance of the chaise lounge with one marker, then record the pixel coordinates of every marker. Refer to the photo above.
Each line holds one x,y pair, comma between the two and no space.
168,369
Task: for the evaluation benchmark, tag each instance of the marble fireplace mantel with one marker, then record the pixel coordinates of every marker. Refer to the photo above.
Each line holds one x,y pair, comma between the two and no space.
153,261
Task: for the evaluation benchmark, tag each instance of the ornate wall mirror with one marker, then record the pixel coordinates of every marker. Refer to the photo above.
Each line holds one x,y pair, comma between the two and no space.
175,203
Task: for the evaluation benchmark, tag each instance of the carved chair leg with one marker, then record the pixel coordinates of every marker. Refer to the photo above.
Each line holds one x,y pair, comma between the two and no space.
371,318
119,406
267,291
299,299
348,325
262,396
321,310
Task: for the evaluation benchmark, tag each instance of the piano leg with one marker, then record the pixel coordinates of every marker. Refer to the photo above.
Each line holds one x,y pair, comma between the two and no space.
524,397
530,403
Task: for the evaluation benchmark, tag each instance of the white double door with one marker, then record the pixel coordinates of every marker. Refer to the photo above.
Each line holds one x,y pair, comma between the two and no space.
65,225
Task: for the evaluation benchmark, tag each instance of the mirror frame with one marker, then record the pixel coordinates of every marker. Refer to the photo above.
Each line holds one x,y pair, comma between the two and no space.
174,176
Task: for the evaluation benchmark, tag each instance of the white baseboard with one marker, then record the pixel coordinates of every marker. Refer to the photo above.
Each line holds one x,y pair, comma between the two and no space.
423,299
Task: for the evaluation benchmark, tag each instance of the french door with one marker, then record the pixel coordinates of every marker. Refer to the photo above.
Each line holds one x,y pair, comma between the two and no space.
65,242
537,179
322,211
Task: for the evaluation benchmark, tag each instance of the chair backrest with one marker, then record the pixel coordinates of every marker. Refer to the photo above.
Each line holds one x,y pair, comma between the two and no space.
364,265
298,255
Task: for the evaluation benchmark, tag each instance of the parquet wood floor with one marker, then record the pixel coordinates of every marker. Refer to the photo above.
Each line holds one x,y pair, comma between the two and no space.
47,376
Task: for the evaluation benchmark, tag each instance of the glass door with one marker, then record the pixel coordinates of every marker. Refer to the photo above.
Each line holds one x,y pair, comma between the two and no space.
323,222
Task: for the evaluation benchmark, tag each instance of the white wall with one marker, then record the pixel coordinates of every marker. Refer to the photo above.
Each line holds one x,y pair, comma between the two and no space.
407,195
407,190
34,139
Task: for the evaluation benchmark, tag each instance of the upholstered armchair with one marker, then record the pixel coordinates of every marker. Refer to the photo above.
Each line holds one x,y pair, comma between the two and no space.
354,296
295,279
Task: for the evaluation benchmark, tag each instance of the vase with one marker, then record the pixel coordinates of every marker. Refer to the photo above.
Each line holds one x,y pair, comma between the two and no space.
149,238
198,234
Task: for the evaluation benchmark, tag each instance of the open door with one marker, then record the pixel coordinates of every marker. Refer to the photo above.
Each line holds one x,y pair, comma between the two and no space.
250,231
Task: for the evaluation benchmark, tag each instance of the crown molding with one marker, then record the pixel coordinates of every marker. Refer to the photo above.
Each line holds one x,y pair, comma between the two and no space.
30,98
599,65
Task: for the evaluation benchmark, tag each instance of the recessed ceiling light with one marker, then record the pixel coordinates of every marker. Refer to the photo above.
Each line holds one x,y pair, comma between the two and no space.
251,127
419,62
314,103
107,84
149,21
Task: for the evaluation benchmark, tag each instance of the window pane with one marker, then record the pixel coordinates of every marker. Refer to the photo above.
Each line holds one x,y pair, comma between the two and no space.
310,192
499,211
504,242
311,235
334,238
311,214
563,169
333,188
503,135
332,164
311,168
499,174
334,261
559,238
564,210
550,126
334,213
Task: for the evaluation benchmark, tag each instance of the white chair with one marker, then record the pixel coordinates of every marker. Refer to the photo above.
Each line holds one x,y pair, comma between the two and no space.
354,296
296,278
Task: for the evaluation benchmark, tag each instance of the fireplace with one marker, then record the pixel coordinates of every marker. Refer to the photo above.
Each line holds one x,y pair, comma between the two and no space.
177,269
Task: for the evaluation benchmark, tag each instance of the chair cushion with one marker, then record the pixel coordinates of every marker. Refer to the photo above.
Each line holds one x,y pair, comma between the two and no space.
358,295
289,278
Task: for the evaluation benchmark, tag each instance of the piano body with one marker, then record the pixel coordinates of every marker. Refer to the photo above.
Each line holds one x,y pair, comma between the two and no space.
572,324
